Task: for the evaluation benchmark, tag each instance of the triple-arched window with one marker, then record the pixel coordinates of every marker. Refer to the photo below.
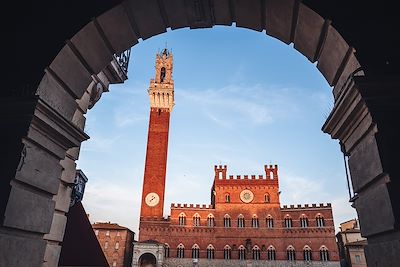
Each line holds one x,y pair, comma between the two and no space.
241,252
227,221
307,254
210,220
227,252
196,219
210,252
290,253
180,251
303,221
269,221
195,251
324,253
320,220
254,221
256,253
240,221
288,221
271,253
182,219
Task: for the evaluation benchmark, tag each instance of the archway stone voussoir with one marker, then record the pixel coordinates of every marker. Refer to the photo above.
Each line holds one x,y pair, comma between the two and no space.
222,14
308,32
332,55
56,96
176,12
124,37
351,66
279,17
71,72
92,48
248,14
147,17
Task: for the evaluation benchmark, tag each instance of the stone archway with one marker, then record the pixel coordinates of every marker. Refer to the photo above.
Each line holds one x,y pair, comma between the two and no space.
51,125
147,260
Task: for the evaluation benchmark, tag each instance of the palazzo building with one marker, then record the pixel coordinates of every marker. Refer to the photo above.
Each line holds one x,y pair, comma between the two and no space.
244,222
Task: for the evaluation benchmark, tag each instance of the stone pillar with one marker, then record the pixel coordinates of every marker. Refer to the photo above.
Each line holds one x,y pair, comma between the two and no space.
365,119
37,136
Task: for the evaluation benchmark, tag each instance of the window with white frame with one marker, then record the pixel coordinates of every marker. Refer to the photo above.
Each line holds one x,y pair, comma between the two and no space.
210,252
180,251
254,222
242,253
227,252
256,253
271,253
240,221
227,221
269,221
324,254
195,251
307,255
196,220
291,253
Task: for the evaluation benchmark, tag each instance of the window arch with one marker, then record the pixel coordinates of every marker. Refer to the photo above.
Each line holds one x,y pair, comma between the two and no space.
166,250
242,252
288,221
290,253
324,253
180,251
162,74
210,252
196,219
227,252
182,219
195,251
227,221
267,198
210,220
303,221
320,220
254,221
269,221
271,253
240,221
307,254
227,198
256,253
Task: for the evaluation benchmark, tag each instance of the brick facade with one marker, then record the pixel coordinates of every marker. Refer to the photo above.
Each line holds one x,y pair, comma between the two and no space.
116,242
258,226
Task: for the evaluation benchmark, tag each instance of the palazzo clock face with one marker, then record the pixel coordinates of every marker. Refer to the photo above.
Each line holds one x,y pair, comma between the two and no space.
152,199
246,196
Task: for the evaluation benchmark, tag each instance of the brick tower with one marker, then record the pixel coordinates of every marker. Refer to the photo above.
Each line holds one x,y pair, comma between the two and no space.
161,94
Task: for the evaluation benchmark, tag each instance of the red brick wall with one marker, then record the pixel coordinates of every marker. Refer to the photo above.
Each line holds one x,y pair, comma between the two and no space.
123,255
156,161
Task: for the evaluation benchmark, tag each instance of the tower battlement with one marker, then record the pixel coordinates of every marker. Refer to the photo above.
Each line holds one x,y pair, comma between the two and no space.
306,206
191,206
271,175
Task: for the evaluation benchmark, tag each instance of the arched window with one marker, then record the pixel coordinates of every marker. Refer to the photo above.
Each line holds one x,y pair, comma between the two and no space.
256,253
254,221
195,251
307,253
162,74
288,221
210,252
324,253
106,245
180,251
227,252
196,220
227,221
303,221
241,252
266,198
166,250
182,219
271,253
291,253
320,220
210,220
117,245
227,198
240,223
269,221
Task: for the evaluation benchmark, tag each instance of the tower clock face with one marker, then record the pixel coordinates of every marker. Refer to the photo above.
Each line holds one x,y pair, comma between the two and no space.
246,196
152,199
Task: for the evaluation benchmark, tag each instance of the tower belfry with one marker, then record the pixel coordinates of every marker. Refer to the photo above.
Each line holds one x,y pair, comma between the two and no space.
161,96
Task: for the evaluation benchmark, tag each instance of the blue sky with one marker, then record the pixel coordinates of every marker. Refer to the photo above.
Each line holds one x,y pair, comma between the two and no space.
243,99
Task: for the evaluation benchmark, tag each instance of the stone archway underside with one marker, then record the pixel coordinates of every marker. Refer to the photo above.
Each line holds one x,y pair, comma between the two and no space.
52,124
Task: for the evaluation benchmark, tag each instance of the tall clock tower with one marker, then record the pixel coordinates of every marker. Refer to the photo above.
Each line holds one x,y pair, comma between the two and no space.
161,94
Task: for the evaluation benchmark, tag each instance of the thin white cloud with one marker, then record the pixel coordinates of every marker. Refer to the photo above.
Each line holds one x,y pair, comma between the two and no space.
123,119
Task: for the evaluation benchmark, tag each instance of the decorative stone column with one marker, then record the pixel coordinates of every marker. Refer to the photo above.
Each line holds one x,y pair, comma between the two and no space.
366,119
